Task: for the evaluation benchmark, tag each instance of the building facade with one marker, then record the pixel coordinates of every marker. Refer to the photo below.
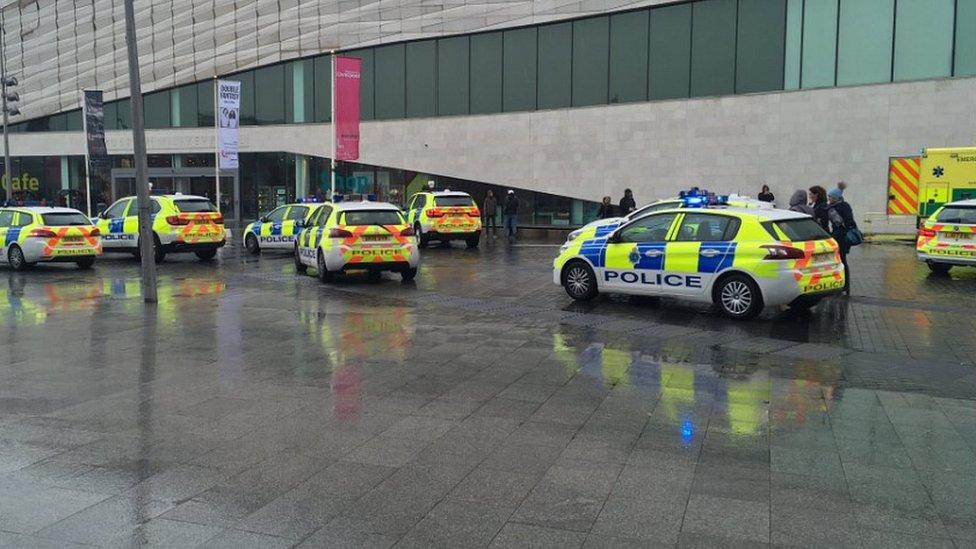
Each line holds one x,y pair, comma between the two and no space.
565,102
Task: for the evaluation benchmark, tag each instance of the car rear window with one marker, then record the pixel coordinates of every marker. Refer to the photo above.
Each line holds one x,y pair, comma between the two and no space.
65,219
195,205
372,217
798,229
453,201
964,215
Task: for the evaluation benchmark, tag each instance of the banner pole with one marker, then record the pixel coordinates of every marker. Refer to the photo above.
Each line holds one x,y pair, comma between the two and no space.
84,121
216,146
333,170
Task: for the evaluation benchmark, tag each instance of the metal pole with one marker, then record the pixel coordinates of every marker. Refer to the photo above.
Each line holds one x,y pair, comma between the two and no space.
84,125
216,146
333,170
146,240
7,166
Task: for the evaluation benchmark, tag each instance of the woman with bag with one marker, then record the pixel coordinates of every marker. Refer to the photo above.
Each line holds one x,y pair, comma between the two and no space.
844,230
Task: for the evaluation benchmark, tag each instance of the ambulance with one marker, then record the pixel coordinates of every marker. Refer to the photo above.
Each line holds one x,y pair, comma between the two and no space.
31,235
945,175
948,237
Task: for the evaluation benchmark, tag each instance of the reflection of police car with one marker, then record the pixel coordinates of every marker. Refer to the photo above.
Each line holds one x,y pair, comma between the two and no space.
180,223
277,229
948,237
357,236
37,234
739,258
444,216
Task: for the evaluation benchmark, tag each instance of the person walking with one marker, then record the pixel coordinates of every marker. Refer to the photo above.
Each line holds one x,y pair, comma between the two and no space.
798,202
842,224
489,208
818,200
765,195
510,210
606,209
627,203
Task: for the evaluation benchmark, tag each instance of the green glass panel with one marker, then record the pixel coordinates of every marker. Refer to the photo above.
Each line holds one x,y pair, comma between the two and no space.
452,75
794,41
322,88
299,91
864,41
390,94
124,114
73,121
760,42
819,44
713,47
269,95
111,111
965,47
628,56
156,109
486,73
367,83
555,65
923,39
669,58
519,71
247,97
205,103
188,105
421,63
591,52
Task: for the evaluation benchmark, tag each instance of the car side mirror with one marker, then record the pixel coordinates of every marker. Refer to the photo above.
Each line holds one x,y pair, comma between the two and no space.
299,223
264,219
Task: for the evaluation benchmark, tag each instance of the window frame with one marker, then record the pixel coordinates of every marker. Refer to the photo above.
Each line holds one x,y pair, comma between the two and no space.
728,234
619,234
10,222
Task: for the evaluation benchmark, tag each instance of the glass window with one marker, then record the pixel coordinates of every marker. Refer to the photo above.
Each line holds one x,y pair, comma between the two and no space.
669,58
794,39
712,47
555,65
421,58
297,213
591,50
519,76
6,218
269,95
111,112
452,75
653,228
923,39
324,214
25,219
390,82
117,209
247,97
453,201
486,73
628,56
62,219
800,230
299,92
965,62
367,83
205,104
189,117
73,122
57,123
760,41
819,43
864,41
156,109
277,215
706,228
322,88
194,205
958,214
655,207
372,217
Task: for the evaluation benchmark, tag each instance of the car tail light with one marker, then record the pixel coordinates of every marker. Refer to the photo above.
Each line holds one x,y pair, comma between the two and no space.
407,232
474,212
435,212
775,251
95,232
926,232
42,233
339,233
177,220
218,219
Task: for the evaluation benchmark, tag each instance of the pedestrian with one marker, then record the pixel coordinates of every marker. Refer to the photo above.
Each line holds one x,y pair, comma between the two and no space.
844,229
606,209
818,200
511,215
798,202
765,195
490,205
627,203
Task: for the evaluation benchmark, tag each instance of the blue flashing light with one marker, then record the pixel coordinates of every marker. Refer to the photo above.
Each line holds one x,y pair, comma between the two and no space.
698,198
687,431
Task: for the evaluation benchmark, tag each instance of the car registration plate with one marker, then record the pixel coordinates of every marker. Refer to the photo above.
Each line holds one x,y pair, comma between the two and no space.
959,236
375,238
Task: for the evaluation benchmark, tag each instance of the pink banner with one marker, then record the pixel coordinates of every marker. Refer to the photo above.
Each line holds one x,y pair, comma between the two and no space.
346,127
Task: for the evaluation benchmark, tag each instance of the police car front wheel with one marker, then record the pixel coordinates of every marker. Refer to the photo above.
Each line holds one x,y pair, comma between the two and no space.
299,266
251,244
579,281
324,274
738,297
938,268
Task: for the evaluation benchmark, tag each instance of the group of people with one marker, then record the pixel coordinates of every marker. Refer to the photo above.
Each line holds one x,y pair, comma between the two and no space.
510,208
627,205
830,211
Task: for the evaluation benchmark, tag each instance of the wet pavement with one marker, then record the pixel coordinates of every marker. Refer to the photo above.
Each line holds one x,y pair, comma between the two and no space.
479,406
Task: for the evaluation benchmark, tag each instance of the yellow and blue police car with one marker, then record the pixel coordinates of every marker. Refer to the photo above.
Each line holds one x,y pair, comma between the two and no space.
277,229
948,237
444,216
740,259
30,235
180,223
357,236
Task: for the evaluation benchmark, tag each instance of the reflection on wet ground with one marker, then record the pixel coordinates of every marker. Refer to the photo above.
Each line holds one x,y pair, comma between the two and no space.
479,406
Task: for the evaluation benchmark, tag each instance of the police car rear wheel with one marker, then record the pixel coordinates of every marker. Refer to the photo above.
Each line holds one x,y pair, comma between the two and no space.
422,239
579,281
207,254
251,244
472,241
409,274
738,297
15,257
938,268
85,263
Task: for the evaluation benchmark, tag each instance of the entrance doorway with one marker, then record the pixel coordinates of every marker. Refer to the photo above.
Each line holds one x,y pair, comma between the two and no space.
195,181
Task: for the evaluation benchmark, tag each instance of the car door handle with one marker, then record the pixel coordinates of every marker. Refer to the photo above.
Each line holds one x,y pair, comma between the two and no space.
710,252
653,253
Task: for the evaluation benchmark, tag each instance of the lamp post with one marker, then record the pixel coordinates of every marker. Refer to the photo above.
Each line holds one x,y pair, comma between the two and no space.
7,82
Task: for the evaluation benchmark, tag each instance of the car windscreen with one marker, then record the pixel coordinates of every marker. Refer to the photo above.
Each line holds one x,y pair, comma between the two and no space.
964,215
799,230
651,208
372,217
65,219
453,201
194,205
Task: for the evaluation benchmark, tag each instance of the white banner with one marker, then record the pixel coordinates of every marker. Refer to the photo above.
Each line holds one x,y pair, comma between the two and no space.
228,118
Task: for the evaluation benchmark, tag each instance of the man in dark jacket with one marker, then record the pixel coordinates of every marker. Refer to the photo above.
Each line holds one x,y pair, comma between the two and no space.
511,215
488,210
841,217
627,203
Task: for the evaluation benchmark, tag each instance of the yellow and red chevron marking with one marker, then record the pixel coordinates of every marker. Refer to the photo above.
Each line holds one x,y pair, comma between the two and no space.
903,185
199,227
53,242
808,248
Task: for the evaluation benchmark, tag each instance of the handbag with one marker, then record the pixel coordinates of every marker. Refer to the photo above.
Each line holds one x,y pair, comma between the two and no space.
854,236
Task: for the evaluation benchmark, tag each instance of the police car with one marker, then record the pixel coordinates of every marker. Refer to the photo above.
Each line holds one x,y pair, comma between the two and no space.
444,216
277,229
180,223
740,259
948,237
31,235
357,236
